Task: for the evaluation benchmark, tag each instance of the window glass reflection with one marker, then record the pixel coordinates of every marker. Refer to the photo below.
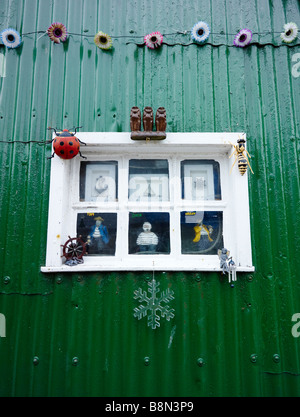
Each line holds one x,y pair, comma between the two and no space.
99,231
99,181
200,180
201,232
148,180
149,233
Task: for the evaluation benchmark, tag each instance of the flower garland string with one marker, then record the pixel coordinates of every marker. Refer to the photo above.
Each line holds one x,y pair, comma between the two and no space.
199,34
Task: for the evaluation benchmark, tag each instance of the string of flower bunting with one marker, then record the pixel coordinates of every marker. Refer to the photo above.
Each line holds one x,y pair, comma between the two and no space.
199,34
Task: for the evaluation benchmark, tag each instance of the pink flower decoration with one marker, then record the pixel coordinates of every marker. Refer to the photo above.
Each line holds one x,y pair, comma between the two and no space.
153,40
57,32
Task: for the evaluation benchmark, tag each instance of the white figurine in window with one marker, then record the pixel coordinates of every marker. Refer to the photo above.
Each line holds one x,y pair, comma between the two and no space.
147,240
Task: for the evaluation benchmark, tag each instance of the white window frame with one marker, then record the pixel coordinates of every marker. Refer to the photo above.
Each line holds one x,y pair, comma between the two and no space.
64,203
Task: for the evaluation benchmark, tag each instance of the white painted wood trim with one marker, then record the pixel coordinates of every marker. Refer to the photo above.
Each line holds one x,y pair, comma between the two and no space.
64,202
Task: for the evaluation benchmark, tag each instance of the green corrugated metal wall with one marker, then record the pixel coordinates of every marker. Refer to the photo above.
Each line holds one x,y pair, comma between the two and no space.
215,87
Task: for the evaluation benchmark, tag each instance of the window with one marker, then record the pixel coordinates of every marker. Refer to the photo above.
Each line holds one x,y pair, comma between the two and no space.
153,205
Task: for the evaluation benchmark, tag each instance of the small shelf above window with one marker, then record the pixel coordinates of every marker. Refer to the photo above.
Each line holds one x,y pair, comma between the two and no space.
149,205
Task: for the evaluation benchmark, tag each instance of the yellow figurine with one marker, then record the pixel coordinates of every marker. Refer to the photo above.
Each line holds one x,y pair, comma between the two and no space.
198,230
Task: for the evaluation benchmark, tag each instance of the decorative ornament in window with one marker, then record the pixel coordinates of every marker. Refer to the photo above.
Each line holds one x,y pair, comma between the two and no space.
200,32
200,180
153,40
99,230
99,181
103,41
149,233
57,32
66,145
290,32
11,38
148,133
243,38
201,232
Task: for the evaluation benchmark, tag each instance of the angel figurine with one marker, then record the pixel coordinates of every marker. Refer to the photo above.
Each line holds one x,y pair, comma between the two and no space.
227,264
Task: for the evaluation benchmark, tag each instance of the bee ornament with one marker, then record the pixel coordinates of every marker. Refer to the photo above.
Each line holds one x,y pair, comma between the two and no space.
65,144
241,153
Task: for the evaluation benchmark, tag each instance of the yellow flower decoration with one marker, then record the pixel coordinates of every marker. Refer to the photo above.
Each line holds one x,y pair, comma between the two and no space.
103,41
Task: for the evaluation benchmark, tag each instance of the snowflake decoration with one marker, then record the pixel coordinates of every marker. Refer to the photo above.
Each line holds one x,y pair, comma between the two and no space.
153,304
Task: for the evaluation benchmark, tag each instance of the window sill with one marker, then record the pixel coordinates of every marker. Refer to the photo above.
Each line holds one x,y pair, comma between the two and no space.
144,263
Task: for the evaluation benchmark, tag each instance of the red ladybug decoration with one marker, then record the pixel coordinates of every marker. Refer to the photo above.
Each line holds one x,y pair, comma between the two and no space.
65,144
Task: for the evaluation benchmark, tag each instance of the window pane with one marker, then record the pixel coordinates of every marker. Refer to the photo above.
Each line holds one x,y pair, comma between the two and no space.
201,232
99,231
200,180
99,181
148,180
149,233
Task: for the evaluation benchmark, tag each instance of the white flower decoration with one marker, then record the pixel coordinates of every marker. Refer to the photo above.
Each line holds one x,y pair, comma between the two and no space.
10,38
103,41
290,32
200,32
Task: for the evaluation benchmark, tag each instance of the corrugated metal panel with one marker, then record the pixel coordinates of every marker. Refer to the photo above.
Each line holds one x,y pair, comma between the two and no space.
210,88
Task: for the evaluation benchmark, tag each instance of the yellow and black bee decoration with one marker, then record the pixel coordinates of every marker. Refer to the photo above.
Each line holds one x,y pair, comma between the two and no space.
240,156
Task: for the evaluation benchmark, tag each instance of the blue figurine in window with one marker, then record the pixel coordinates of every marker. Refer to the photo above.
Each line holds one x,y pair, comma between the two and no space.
98,237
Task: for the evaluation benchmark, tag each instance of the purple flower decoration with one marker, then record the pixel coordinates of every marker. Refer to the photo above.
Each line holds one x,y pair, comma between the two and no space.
243,38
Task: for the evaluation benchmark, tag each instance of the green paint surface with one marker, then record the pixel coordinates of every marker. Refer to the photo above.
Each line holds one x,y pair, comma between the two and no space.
233,333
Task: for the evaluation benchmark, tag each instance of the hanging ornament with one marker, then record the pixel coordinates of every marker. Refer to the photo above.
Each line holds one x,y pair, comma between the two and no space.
10,38
243,38
154,304
57,32
153,40
103,41
200,32
290,32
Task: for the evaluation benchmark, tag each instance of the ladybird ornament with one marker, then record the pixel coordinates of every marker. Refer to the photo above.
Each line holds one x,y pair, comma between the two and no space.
65,144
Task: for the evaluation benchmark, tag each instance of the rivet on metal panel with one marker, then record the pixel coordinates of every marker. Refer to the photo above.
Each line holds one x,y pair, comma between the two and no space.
200,362
198,277
36,360
250,278
75,361
276,358
59,280
6,280
253,358
146,361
